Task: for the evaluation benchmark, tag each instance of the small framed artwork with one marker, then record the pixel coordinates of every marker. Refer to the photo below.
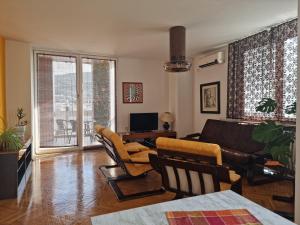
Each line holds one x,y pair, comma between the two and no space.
132,92
210,97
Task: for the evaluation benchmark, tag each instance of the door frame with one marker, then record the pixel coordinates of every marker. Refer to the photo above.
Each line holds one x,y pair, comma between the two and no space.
79,91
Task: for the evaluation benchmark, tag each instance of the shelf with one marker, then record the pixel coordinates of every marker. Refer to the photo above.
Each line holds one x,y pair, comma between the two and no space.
13,167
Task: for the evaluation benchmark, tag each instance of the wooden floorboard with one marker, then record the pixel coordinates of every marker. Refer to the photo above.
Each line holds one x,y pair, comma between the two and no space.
69,189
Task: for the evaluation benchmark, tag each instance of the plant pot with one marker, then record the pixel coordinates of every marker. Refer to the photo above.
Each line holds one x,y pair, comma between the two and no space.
20,131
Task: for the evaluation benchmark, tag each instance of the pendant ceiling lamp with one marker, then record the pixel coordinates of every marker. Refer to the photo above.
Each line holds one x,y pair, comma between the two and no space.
178,62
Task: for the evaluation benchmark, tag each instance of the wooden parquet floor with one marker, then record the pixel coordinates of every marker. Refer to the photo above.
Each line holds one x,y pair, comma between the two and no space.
69,189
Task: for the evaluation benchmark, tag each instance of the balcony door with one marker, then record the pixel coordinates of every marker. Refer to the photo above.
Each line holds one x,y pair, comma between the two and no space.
73,93
98,94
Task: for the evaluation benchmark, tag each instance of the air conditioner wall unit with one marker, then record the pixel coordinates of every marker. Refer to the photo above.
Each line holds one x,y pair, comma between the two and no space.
213,59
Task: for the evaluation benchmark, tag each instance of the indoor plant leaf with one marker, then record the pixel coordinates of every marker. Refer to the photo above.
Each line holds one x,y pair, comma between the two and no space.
266,105
282,153
10,141
266,132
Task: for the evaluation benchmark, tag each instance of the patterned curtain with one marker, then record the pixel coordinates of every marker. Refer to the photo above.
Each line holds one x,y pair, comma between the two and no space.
263,66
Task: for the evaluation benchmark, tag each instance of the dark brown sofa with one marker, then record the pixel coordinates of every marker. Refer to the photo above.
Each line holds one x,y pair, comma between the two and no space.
239,150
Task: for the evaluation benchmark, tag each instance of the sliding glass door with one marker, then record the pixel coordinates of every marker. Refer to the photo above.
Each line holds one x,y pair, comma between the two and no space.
73,94
98,96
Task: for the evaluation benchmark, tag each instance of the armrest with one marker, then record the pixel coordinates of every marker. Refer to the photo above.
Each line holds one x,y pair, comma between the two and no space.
261,157
136,161
133,162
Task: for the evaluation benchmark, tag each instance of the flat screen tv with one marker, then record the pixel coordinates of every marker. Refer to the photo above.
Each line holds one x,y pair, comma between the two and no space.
140,122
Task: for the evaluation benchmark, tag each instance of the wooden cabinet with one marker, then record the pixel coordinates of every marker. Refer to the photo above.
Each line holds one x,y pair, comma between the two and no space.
147,138
13,166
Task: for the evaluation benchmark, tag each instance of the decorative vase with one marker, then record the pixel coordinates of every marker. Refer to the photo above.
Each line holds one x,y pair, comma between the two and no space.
166,126
20,131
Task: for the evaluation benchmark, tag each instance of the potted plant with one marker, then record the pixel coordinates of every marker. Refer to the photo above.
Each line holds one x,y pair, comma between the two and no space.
9,140
278,138
20,128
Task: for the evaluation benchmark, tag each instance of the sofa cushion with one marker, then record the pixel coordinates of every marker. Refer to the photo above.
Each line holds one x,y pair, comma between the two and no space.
246,142
211,131
230,134
142,156
133,147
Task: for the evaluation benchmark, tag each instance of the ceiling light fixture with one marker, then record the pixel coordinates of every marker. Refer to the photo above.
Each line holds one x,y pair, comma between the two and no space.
177,63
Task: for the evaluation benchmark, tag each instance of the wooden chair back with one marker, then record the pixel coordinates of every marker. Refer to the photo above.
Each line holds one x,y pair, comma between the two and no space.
187,178
222,171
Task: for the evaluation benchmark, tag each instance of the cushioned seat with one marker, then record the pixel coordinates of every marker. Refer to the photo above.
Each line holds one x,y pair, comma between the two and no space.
141,156
191,149
135,165
134,147
131,147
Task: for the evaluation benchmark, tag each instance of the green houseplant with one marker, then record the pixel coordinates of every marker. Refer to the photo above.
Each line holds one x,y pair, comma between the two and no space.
278,138
9,140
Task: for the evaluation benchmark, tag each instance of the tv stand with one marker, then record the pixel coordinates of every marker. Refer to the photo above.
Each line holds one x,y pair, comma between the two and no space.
147,138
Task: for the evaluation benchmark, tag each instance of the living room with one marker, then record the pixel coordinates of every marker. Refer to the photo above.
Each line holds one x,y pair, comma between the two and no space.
69,69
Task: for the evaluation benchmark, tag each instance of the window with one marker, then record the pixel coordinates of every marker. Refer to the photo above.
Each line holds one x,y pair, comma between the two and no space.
263,66
71,101
290,73
258,81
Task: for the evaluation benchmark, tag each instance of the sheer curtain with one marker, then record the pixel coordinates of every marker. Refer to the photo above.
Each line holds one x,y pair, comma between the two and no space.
98,96
57,100
263,66
45,99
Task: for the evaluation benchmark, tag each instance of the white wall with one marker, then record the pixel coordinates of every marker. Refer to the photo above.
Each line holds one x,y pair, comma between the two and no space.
157,96
18,81
149,72
206,75
181,101
155,85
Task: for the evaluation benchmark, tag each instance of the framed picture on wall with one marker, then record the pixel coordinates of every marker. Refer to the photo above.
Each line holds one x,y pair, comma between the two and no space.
210,97
132,92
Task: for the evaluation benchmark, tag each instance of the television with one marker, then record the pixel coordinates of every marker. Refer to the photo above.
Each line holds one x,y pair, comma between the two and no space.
140,122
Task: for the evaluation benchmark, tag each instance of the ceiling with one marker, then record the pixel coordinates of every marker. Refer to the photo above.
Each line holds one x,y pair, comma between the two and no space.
137,28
